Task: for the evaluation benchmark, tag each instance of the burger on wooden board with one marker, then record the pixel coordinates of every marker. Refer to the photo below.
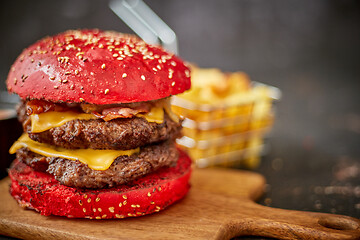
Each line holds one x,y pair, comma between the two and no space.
99,134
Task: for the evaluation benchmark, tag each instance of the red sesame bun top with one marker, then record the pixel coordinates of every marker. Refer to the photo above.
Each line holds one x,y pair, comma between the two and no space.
98,67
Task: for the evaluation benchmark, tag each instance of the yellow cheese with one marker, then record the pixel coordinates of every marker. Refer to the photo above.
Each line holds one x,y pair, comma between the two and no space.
95,159
44,121
155,115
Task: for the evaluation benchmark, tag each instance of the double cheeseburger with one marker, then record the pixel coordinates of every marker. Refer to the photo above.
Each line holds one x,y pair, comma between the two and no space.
99,134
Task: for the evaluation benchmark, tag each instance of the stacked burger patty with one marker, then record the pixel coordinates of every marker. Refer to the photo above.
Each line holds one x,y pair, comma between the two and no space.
155,140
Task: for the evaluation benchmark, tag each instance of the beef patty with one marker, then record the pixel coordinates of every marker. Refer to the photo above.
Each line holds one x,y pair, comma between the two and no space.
121,134
123,170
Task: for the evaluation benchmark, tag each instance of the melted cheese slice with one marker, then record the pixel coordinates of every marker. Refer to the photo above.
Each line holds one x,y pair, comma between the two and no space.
155,115
44,121
95,159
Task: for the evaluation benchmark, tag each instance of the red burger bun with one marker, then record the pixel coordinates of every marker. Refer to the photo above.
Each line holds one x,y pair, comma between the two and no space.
152,193
67,68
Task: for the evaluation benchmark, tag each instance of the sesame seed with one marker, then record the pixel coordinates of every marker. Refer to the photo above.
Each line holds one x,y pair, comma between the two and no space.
137,205
124,197
111,209
98,217
80,203
187,73
119,216
99,209
65,81
84,209
97,199
94,209
158,67
129,214
101,46
85,196
173,84
52,78
32,60
173,63
103,66
81,99
125,202
56,87
120,204
120,58
149,194
106,91
159,188
72,87
133,205
155,70
104,216
143,77
124,75
115,55
15,81
76,72
89,200
67,73
171,73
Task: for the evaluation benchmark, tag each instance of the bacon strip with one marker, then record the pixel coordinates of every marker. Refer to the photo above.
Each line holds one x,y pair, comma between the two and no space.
123,112
106,112
41,106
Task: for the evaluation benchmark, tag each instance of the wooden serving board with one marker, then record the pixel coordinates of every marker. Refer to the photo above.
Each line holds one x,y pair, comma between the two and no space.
220,205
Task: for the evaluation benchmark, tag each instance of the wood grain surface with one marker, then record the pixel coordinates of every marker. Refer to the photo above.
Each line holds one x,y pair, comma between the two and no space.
220,205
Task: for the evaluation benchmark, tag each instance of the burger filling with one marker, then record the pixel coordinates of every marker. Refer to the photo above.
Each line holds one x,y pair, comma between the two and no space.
92,146
123,169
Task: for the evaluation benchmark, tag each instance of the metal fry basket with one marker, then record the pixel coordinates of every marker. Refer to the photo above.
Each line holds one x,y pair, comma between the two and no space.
230,132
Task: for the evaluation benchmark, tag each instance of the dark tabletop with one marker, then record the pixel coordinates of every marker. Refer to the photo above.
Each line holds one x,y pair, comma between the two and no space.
308,49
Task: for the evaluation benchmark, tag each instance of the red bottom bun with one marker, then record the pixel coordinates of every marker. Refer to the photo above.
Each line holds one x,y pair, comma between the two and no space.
152,193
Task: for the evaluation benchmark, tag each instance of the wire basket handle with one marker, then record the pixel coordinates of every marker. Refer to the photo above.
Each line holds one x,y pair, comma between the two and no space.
145,23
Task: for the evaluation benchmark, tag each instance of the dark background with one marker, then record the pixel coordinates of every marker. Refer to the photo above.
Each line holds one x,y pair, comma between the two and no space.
309,49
